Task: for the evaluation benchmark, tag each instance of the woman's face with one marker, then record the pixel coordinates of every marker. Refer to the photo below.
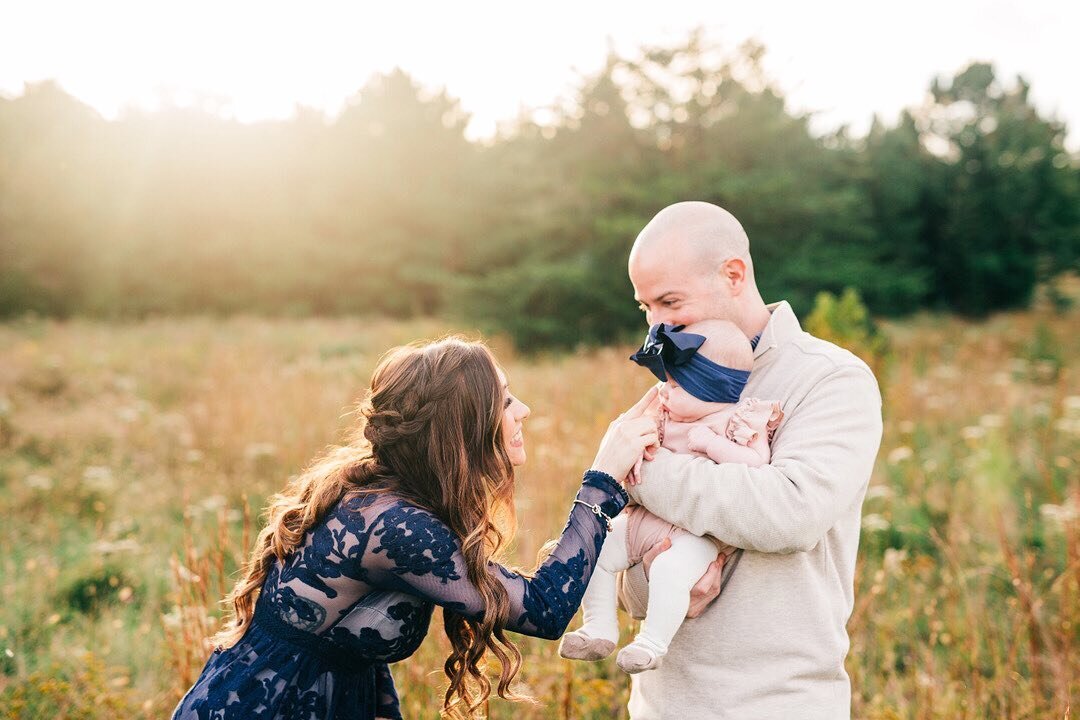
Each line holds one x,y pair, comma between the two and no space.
514,414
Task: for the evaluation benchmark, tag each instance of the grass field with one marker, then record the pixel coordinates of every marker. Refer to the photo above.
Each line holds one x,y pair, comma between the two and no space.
128,451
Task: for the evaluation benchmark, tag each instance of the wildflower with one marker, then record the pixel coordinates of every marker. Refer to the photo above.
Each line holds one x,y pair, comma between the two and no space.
972,432
257,451
947,372
894,560
873,522
1068,425
187,575
112,547
1060,515
878,491
900,454
37,481
99,477
992,421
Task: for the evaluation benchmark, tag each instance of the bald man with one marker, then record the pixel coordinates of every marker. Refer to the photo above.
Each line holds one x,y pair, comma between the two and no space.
773,644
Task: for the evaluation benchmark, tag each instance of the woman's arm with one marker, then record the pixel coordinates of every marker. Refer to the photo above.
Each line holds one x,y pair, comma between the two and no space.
386,697
413,551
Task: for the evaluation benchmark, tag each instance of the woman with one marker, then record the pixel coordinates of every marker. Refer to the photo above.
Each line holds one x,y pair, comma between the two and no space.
408,514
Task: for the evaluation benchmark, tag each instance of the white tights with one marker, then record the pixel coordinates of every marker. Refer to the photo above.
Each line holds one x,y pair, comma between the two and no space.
671,576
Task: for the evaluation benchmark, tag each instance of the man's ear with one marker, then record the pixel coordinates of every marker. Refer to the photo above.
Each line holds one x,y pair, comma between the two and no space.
733,274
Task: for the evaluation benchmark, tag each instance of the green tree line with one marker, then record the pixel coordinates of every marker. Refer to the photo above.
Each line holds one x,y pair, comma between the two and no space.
964,203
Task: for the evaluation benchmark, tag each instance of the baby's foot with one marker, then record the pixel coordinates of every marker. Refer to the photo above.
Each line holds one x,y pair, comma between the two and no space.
579,645
635,658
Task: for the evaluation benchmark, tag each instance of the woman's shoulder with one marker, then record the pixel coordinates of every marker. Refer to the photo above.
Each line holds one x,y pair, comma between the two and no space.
384,507
410,537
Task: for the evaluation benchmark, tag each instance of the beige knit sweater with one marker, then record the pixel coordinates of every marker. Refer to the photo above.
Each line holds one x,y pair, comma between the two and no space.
773,644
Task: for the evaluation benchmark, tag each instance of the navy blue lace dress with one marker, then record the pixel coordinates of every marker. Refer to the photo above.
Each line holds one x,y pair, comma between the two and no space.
359,594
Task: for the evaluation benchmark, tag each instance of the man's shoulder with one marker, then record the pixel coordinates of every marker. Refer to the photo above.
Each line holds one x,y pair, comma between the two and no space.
827,357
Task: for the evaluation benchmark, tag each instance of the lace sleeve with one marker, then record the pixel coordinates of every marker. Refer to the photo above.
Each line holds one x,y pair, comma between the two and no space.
386,694
413,551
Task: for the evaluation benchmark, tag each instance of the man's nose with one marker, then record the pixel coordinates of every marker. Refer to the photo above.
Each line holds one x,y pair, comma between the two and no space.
659,317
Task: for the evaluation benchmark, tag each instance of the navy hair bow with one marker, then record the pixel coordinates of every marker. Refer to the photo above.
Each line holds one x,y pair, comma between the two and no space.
669,352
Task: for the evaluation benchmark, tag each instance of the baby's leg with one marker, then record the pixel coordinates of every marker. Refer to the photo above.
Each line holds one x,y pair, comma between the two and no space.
598,635
672,575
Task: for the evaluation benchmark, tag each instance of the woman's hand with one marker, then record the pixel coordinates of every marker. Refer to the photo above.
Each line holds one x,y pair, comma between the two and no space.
627,437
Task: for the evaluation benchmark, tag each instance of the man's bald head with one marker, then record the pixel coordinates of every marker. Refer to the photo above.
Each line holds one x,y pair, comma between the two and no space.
691,263
699,234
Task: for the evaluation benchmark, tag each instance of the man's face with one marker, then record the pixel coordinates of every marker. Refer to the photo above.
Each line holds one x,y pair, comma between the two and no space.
671,289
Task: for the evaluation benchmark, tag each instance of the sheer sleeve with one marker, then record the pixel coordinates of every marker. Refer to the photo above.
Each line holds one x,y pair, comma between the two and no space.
413,551
386,697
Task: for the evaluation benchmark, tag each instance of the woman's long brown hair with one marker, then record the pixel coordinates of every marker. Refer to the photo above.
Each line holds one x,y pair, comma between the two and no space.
430,433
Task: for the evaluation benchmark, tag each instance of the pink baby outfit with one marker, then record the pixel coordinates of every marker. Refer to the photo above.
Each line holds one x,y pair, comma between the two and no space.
750,422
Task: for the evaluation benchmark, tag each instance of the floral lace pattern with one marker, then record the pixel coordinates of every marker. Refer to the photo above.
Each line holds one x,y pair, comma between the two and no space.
359,594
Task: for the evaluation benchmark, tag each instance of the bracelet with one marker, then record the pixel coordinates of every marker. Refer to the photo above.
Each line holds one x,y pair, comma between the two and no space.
596,511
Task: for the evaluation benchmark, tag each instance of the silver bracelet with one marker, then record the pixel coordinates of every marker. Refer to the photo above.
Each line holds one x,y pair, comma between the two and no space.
596,511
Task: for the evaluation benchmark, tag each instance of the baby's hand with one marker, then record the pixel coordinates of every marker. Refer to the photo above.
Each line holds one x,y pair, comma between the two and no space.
699,438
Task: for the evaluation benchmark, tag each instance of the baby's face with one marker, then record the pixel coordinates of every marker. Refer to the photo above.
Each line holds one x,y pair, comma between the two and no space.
681,406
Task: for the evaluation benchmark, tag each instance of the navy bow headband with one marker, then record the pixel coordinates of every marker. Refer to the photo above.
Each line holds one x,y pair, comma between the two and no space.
667,352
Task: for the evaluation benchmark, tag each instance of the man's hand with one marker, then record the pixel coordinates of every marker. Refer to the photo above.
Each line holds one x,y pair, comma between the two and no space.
705,590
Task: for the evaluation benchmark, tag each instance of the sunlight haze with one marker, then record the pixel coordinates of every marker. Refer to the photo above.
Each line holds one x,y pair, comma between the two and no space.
256,61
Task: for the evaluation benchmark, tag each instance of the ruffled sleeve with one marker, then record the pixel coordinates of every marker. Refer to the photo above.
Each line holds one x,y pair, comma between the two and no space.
751,418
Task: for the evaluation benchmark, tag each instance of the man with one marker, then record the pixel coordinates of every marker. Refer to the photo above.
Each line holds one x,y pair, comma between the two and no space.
773,645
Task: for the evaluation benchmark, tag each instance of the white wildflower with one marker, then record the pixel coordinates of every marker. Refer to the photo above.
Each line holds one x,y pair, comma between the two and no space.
873,521
257,451
98,477
112,547
1060,515
972,432
38,481
900,454
879,491
893,561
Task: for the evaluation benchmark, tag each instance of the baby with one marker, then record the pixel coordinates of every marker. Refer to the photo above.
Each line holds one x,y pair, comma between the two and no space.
704,369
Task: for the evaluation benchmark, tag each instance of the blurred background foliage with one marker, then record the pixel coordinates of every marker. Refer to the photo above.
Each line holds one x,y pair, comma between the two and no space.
965,203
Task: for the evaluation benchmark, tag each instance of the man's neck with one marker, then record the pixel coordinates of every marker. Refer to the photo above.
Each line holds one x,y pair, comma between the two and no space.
753,322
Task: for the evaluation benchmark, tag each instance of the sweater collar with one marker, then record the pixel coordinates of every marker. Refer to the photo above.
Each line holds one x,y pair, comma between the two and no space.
782,328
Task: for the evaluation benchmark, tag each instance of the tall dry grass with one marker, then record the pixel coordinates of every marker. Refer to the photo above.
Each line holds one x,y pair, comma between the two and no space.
127,453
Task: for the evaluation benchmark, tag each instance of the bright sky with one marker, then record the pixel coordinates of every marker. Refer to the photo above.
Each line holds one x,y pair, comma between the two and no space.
843,59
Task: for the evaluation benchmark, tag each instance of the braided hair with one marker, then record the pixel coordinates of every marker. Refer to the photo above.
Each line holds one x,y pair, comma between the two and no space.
428,431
